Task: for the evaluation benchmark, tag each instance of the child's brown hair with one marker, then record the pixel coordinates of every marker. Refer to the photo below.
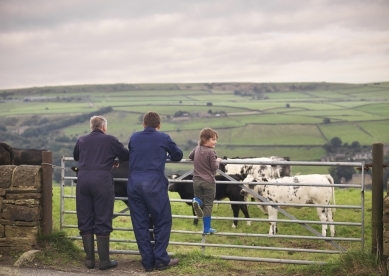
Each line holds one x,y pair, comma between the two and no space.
206,134
151,119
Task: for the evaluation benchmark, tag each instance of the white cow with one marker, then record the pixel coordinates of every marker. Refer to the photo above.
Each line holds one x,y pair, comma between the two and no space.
243,170
297,194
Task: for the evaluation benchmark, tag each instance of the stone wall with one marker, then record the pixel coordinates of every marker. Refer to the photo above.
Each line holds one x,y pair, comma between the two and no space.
20,207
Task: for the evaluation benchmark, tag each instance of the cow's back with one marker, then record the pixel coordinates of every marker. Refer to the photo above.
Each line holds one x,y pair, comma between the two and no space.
6,154
298,193
27,156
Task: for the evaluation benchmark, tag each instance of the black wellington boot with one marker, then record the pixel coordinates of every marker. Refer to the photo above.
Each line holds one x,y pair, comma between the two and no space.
89,248
103,250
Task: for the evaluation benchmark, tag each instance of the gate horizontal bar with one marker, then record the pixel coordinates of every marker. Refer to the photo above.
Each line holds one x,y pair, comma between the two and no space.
253,219
241,235
357,207
268,260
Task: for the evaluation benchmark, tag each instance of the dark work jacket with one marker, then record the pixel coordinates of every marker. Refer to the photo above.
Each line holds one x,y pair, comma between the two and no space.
97,151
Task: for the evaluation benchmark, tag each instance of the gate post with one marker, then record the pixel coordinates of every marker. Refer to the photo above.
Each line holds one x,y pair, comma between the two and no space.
47,192
377,200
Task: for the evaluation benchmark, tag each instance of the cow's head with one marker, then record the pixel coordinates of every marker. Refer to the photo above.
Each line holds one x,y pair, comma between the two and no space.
172,186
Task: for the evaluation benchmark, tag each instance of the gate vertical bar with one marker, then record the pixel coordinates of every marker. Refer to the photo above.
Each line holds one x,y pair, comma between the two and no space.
377,200
61,200
47,192
363,207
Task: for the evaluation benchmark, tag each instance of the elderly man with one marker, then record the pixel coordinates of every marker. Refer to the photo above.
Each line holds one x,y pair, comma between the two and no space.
95,197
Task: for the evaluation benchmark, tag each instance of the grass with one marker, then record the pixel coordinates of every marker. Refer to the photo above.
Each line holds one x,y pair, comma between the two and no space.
57,249
353,263
199,262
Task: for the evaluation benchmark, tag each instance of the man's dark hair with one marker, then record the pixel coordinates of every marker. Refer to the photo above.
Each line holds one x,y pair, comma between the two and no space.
151,119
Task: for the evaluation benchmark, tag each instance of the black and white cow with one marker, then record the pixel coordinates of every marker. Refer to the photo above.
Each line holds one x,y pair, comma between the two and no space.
296,194
243,170
230,191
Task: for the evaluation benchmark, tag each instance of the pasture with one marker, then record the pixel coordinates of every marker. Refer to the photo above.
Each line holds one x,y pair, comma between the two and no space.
283,119
258,244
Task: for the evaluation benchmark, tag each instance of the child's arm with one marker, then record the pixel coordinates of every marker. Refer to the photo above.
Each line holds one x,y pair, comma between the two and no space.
192,154
214,161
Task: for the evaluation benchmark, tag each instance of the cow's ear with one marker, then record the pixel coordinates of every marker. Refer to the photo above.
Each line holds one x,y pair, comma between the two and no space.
264,179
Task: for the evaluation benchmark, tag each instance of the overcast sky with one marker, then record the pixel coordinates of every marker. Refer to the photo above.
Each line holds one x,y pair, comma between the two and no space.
65,42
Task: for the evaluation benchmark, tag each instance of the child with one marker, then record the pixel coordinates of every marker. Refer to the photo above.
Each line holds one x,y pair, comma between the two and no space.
204,184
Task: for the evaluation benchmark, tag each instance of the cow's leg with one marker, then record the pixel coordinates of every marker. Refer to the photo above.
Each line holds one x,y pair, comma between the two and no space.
264,209
273,213
245,211
196,220
235,211
323,218
330,219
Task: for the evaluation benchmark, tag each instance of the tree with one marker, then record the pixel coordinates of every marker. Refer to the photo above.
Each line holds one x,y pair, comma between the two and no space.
328,147
63,139
336,142
356,146
209,104
287,105
338,172
326,121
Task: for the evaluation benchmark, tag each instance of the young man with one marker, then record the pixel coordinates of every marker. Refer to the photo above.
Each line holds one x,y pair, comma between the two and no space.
147,190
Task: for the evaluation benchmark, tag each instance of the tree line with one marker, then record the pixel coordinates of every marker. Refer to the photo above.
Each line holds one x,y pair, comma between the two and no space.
44,129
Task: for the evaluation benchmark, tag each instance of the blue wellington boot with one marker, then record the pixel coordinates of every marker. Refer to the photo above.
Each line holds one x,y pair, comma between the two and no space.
197,204
207,226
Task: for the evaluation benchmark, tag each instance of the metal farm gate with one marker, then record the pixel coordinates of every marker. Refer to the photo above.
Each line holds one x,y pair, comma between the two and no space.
250,245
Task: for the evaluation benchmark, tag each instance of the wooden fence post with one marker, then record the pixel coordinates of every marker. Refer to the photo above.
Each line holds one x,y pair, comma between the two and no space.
47,192
377,200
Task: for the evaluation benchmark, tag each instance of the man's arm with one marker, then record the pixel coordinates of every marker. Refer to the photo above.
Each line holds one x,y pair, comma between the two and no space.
174,152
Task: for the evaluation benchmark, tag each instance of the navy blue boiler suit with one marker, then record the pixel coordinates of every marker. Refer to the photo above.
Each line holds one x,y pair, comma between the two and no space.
147,191
95,194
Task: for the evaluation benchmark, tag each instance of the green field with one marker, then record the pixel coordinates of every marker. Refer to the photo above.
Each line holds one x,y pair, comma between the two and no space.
285,119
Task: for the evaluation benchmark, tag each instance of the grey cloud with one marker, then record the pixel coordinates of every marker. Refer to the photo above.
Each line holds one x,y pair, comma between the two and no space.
65,42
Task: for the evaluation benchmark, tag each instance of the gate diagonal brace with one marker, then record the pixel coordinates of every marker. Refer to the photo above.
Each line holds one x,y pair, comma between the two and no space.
121,212
181,177
272,204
